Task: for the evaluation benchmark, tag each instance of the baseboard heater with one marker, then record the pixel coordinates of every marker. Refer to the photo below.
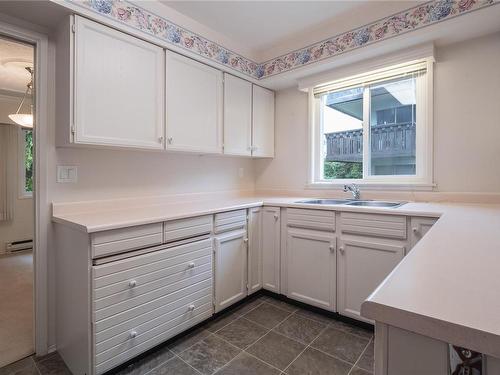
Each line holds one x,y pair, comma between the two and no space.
12,247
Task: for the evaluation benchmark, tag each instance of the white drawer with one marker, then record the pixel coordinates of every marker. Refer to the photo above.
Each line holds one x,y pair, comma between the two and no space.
191,227
114,277
120,240
390,226
143,324
133,347
311,219
232,220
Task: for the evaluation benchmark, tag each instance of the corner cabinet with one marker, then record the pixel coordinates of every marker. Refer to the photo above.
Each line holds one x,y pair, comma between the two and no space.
117,88
255,229
262,122
193,105
271,248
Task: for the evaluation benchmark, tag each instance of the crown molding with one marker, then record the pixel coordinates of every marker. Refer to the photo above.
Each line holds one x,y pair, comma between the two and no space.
134,16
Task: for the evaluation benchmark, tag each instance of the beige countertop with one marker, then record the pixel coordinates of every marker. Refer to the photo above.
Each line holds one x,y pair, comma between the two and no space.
447,288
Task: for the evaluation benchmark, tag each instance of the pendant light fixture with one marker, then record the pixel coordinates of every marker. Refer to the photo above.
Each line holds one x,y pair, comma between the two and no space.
25,120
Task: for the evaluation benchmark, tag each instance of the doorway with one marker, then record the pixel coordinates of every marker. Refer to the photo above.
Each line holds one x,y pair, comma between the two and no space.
17,210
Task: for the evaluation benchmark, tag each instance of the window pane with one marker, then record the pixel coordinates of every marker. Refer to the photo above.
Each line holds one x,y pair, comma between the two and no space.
28,161
342,134
392,127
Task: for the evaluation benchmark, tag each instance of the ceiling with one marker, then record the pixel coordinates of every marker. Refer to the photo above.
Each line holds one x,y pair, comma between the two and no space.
14,57
261,24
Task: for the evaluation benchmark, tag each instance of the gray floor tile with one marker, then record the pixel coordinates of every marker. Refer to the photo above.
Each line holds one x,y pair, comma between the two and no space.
276,350
245,364
221,321
267,315
185,342
174,367
210,354
367,358
352,329
300,328
314,316
52,364
242,332
148,363
358,371
25,366
247,307
340,344
314,362
282,305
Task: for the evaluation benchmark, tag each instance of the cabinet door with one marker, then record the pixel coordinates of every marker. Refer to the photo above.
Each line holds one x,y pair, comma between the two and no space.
311,267
230,268
271,239
118,88
237,116
419,227
362,266
254,250
194,105
263,122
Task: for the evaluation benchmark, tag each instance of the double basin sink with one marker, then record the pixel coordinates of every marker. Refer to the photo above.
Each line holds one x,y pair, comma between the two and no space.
354,202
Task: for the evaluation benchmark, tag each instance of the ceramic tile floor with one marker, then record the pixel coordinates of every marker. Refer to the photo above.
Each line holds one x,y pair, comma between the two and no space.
264,336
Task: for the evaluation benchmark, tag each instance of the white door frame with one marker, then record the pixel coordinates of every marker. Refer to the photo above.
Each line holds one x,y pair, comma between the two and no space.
40,196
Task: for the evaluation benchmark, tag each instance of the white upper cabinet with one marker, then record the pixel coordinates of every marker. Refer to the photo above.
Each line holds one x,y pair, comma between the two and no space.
237,116
263,122
118,88
193,105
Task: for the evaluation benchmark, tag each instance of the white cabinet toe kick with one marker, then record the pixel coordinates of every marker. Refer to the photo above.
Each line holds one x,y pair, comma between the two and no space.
122,292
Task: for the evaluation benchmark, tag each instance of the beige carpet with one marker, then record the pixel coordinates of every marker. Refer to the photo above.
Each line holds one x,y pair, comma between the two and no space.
16,307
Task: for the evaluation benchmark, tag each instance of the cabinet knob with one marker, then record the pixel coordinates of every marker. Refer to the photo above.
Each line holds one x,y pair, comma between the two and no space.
191,307
332,248
132,334
245,240
169,140
160,139
191,265
276,216
342,250
132,283
415,230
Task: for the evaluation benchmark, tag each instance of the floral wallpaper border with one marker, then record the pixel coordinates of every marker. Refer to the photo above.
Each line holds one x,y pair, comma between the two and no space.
412,19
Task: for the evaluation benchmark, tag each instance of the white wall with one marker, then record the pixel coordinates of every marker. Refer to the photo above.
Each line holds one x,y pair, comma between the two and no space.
466,124
21,227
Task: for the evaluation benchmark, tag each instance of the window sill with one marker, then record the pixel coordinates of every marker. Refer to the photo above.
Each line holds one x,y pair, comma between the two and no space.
367,185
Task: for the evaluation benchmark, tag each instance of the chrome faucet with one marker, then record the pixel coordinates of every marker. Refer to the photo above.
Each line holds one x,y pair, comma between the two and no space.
354,189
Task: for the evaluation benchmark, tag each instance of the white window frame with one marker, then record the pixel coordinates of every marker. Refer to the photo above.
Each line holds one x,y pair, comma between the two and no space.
422,180
23,194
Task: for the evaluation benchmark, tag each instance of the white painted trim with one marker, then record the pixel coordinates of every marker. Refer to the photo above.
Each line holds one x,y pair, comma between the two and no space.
42,212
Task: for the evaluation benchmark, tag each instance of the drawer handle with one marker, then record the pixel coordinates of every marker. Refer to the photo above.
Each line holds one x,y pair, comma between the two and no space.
245,240
191,265
132,284
341,249
276,217
332,248
191,308
132,334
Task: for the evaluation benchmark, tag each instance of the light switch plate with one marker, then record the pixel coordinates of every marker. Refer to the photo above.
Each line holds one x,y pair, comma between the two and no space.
67,174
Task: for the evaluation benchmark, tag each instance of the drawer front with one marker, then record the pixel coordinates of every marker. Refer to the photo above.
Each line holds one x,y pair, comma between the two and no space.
126,239
311,219
191,227
390,226
141,343
232,220
143,324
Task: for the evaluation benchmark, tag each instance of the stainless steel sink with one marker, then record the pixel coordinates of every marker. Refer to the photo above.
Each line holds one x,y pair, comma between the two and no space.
375,204
325,201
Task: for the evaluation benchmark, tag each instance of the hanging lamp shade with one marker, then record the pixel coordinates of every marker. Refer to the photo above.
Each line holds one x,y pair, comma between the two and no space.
24,119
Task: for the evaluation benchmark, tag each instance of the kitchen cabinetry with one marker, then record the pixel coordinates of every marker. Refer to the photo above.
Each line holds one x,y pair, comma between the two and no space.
193,105
237,116
113,88
271,248
263,122
255,241
363,263
419,227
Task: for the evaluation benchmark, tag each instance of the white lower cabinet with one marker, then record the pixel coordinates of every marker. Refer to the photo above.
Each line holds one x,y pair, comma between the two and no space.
419,228
362,266
271,248
311,267
255,249
230,268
